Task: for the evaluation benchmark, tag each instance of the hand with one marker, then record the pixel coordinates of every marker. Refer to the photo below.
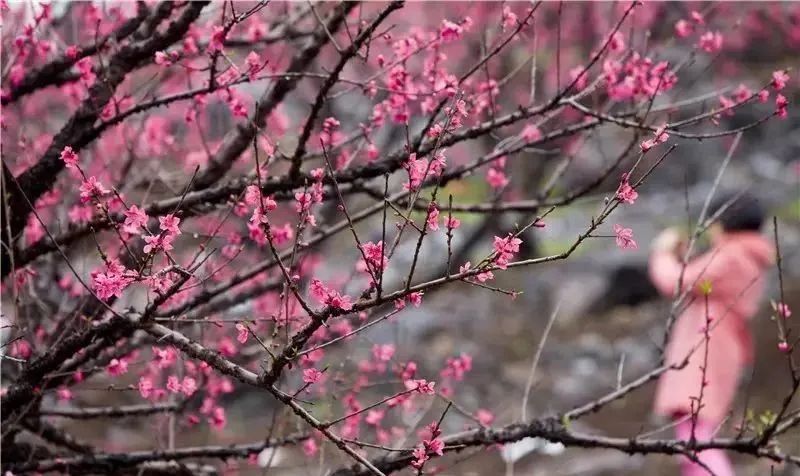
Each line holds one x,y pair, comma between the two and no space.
669,240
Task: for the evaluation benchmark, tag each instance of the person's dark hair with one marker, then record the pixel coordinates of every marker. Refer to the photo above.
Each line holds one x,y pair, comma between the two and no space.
743,212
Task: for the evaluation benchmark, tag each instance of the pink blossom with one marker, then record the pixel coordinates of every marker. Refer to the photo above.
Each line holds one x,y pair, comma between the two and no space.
505,249
311,375
189,386
783,346
310,447
117,367
509,18
383,352
237,107
374,253
435,131
433,217
339,301
531,133
374,417
416,298
727,105
329,136
166,59
64,393
783,310
779,79
72,52
173,384
420,386
145,387
626,193
435,446
496,178
226,347
450,31
91,189
579,76
485,417
302,202
21,349
87,74
617,42
155,243
697,17
159,282
372,153
252,195
318,290
457,367
69,157
781,104
711,42
763,96
683,28
624,237
742,93
660,137
420,455
417,171
135,220
243,333
254,65
164,358
452,222
217,418
217,39
110,284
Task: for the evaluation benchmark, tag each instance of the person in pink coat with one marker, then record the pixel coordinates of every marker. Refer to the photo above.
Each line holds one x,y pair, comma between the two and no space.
733,268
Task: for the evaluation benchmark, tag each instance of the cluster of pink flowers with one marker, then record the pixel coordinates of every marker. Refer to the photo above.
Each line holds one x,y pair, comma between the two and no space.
684,28
375,258
659,137
242,333
187,387
92,190
481,277
254,65
505,249
624,237
164,240
311,375
420,169
420,386
162,58
113,281
496,176
330,297
709,41
69,157
637,78
414,298
456,367
429,446
135,220
626,193
782,309
117,367
217,42
330,136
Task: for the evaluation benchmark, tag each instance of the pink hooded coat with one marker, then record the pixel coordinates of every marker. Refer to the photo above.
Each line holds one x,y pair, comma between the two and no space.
734,267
